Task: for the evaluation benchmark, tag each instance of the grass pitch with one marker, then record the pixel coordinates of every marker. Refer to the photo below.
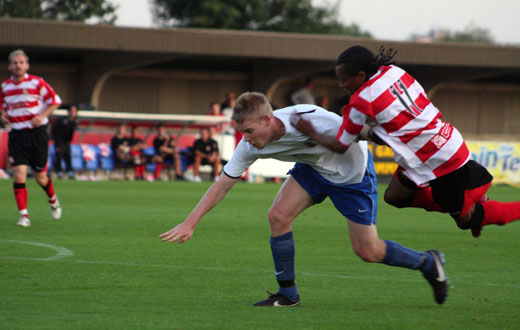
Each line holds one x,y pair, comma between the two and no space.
102,265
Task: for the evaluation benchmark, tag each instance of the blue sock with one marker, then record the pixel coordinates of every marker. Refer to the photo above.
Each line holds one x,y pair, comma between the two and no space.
400,256
282,248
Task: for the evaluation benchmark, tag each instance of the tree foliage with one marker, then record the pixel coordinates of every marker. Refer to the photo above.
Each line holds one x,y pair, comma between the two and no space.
264,15
62,10
471,33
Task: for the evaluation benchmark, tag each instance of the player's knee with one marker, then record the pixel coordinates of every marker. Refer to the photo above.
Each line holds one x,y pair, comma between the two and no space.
278,219
275,216
367,252
42,180
394,200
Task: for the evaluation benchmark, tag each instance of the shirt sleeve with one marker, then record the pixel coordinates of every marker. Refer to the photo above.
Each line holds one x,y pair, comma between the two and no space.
354,117
242,158
48,94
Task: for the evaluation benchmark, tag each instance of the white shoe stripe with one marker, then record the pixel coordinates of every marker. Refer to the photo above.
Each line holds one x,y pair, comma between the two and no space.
441,277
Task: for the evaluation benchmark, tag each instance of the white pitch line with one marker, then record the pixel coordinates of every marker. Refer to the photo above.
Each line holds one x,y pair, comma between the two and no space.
62,252
212,269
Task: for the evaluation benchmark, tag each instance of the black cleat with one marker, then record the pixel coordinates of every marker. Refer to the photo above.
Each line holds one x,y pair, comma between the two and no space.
437,277
276,300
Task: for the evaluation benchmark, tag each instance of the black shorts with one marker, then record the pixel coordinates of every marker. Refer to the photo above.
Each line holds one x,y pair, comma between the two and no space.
457,191
29,147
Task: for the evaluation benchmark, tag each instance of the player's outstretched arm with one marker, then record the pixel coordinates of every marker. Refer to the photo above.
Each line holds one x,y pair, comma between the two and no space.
305,127
183,231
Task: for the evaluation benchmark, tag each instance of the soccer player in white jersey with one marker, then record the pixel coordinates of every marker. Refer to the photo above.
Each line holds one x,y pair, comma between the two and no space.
348,179
26,102
435,170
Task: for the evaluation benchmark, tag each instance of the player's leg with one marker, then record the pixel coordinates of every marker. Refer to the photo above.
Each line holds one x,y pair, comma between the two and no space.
18,144
38,162
136,160
68,161
158,161
20,194
197,160
358,202
483,212
216,166
290,201
462,192
47,185
402,192
177,163
58,156
370,248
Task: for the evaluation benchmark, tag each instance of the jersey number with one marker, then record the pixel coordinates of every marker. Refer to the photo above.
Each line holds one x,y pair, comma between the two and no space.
398,89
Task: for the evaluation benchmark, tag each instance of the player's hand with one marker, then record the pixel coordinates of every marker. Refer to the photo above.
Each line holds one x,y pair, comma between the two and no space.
302,125
180,233
4,118
37,120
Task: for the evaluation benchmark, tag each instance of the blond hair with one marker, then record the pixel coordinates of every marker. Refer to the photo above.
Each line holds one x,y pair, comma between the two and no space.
251,106
18,52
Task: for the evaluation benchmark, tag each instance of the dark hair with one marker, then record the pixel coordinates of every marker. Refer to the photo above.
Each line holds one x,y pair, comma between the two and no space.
359,58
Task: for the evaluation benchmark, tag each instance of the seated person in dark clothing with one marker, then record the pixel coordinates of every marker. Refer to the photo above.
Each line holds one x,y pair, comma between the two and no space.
137,145
166,150
62,132
205,152
119,145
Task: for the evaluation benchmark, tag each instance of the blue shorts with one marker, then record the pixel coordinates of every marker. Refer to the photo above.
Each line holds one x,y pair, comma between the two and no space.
357,202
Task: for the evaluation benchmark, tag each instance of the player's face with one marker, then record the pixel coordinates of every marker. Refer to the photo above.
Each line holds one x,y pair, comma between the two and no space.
18,66
256,132
349,83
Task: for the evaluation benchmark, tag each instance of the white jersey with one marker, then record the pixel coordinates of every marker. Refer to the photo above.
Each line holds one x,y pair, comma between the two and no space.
25,100
346,168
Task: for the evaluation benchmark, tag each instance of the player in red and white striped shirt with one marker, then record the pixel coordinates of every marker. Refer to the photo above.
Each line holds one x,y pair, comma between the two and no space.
435,171
26,102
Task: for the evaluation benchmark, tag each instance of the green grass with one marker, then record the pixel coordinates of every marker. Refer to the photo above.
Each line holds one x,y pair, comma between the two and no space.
121,276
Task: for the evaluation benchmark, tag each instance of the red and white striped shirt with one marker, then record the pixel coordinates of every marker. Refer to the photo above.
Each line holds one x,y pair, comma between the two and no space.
26,99
395,105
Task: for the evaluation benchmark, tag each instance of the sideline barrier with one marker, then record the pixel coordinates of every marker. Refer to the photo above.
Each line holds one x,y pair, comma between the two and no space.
502,160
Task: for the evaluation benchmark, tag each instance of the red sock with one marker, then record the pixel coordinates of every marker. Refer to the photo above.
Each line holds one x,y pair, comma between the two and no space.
142,170
20,195
158,170
423,199
49,190
499,213
137,169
